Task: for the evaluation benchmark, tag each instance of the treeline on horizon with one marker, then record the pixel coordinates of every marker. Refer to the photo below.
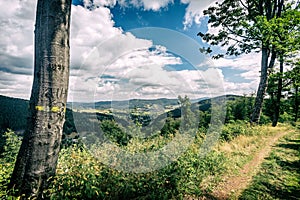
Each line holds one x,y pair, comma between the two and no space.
13,115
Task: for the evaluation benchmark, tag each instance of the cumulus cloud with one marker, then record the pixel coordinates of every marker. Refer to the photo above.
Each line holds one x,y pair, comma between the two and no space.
98,3
89,29
106,62
99,59
240,88
247,67
145,77
113,62
154,5
15,85
126,70
244,69
250,63
194,11
16,47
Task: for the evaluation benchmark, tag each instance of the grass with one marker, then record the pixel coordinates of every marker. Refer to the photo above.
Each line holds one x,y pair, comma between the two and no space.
240,150
279,176
81,176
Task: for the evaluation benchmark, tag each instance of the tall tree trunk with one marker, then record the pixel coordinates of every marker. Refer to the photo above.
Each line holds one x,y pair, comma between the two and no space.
265,65
296,103
262,86
278,96
37,158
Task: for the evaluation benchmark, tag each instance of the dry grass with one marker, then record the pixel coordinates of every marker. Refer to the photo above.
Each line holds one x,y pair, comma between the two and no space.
240,151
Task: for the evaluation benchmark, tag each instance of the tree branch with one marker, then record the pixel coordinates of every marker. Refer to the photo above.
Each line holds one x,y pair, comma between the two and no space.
233,32
246,7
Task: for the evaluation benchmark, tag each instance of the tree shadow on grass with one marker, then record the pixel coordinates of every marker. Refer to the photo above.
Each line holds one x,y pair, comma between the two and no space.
291,144
292,166
279,178
282,191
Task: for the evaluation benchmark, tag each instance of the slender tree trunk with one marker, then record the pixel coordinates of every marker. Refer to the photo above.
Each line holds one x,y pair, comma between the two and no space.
38,155
265,65
278,96
296,103
262,87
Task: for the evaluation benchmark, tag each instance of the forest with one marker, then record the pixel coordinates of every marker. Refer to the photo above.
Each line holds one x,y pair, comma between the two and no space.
217,147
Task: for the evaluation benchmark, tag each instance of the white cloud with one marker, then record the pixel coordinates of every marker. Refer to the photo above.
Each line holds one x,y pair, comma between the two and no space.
249,63
242,62
109,53
244,70
95,44
126,71
89,28
99,3
98,48
133,70
16,47
194,11
240,88
15,85
154,5
146,77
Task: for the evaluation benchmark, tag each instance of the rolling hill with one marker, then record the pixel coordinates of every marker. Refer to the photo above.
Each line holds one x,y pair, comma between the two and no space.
14,111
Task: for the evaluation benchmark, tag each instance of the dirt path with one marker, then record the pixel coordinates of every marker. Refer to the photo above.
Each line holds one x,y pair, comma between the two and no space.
234,185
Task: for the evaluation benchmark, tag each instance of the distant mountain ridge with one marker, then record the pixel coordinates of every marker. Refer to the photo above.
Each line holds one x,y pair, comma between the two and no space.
13,112
132,103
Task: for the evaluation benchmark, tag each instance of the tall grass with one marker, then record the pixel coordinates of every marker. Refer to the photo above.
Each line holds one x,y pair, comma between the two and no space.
279,177
81,175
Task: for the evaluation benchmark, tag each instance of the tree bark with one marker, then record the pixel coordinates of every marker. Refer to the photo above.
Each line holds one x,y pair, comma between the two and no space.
262,86
278,96
296,104
38,155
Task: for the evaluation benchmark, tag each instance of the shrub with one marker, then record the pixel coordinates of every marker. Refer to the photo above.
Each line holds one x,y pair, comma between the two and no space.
170,127
285,117
7,160
232,130
264,119
81,176
115,134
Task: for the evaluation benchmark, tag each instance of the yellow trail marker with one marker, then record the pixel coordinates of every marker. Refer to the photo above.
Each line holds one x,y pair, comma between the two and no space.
47,109
55,109
39,108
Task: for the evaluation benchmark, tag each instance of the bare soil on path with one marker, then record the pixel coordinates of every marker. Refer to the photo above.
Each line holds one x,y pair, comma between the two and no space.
232,186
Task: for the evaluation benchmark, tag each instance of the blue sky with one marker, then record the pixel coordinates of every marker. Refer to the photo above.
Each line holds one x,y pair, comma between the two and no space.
124,49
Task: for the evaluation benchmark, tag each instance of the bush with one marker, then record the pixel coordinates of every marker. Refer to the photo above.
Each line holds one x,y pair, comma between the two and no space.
234,129
285,117
82,176
264,119
114,133
170,127
7,160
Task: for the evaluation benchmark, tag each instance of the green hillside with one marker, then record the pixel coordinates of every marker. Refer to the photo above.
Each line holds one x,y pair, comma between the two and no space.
13,113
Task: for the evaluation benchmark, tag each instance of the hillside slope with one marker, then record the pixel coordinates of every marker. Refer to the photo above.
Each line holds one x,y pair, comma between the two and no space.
13,113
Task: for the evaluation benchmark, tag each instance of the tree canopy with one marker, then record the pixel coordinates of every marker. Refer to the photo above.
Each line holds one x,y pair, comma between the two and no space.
243,26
